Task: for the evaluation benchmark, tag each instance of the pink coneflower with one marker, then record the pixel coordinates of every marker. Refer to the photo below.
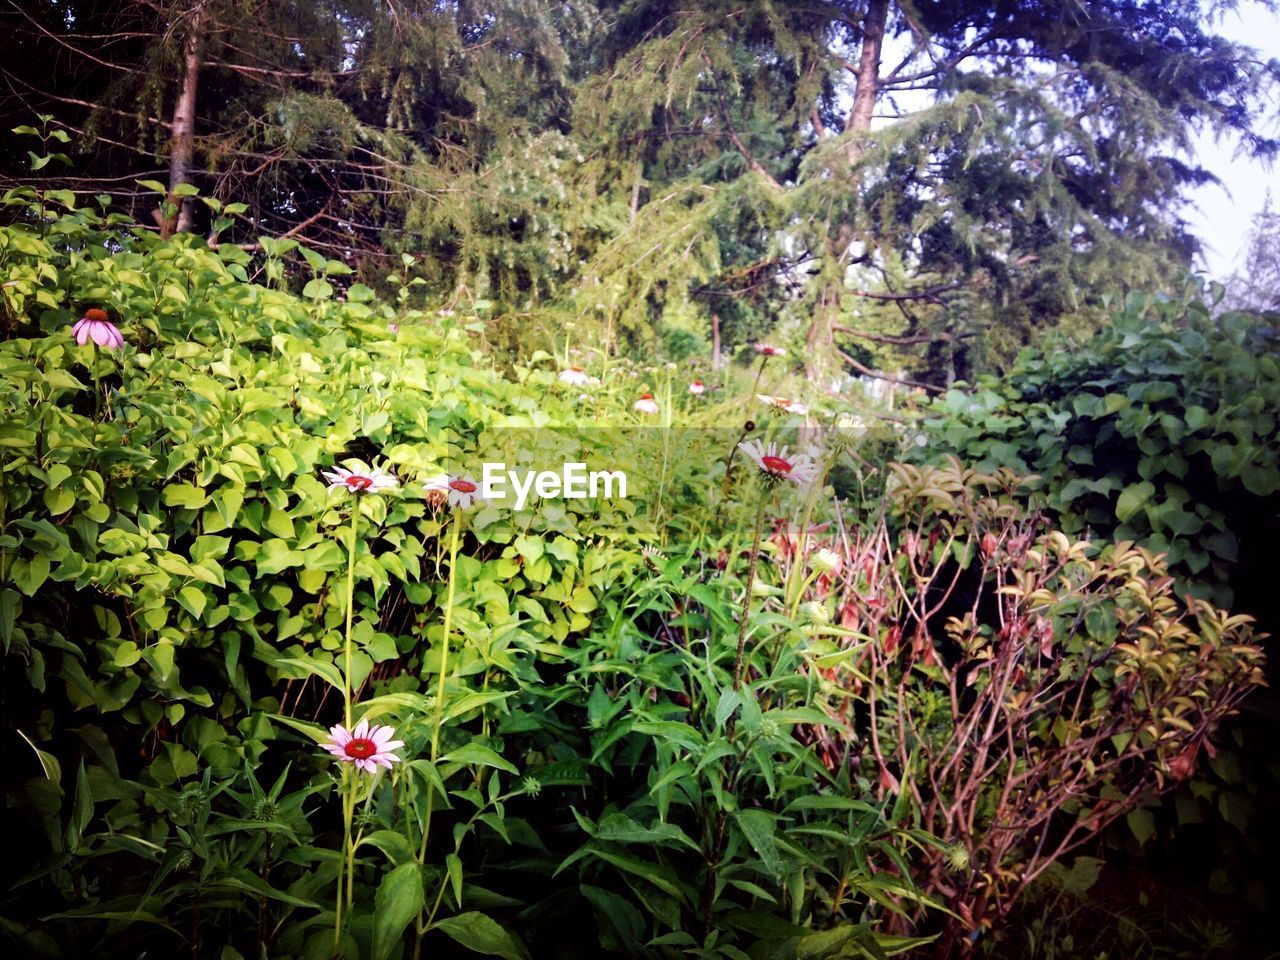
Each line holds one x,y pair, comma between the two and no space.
575,377
393,327
697,388
360,481
777,464
96,326
646,404
460,491
783,404
769,350
367,746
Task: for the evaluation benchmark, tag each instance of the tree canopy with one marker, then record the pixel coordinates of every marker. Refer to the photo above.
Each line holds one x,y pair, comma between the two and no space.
898,185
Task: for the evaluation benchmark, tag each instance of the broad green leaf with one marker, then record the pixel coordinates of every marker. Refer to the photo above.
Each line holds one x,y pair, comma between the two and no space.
480,933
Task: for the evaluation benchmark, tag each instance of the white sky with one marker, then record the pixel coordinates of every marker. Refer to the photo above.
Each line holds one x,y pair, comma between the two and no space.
1222,215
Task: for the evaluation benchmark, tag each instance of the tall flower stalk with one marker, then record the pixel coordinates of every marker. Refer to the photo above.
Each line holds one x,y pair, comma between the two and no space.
751,585
776,465
360,747
459,493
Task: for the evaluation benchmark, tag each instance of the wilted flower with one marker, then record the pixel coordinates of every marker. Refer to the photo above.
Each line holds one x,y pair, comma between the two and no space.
827,560
96,326
575,377
697,388
783,404
461,491
367,746
646,404
851,424
777,464
815,612
360,481
769,350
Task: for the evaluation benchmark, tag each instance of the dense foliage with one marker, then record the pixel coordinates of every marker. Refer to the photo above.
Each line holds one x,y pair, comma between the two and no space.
655,726
1161,429
899,185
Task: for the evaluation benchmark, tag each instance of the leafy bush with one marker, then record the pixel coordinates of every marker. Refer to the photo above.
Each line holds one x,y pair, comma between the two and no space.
615,715
1161,430
1023,689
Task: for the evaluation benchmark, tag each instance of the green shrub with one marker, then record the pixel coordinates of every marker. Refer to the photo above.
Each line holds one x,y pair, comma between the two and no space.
1161,429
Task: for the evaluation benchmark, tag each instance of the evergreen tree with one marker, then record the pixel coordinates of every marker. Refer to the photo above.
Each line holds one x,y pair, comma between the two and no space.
903,185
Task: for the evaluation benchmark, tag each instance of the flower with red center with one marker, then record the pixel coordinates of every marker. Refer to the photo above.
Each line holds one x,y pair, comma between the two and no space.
768,350
575,377
96,326
783,404
697,388
360,481
646,404
460,491
368,746
777,464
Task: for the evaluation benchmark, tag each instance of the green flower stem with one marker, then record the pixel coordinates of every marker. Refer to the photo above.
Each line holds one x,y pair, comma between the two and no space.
351,603
444,642
422,921
797,568
346,862
764,358
97,385
751,583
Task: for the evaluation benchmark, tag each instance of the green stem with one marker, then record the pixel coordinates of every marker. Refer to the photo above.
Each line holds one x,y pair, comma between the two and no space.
346,861
351,603
421,924
746,603
97,386
342,858
444,642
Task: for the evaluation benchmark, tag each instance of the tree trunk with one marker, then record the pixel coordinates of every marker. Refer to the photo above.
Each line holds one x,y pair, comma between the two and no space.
867,89
182,137
865,92
715,341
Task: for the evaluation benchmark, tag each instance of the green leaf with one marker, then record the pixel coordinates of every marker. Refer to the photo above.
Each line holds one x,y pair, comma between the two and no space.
1133,498
48,762
127,654
1142,823
473,753
759,827
193,600
477,932
394,844
29,574
327,672
397,902
318,289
